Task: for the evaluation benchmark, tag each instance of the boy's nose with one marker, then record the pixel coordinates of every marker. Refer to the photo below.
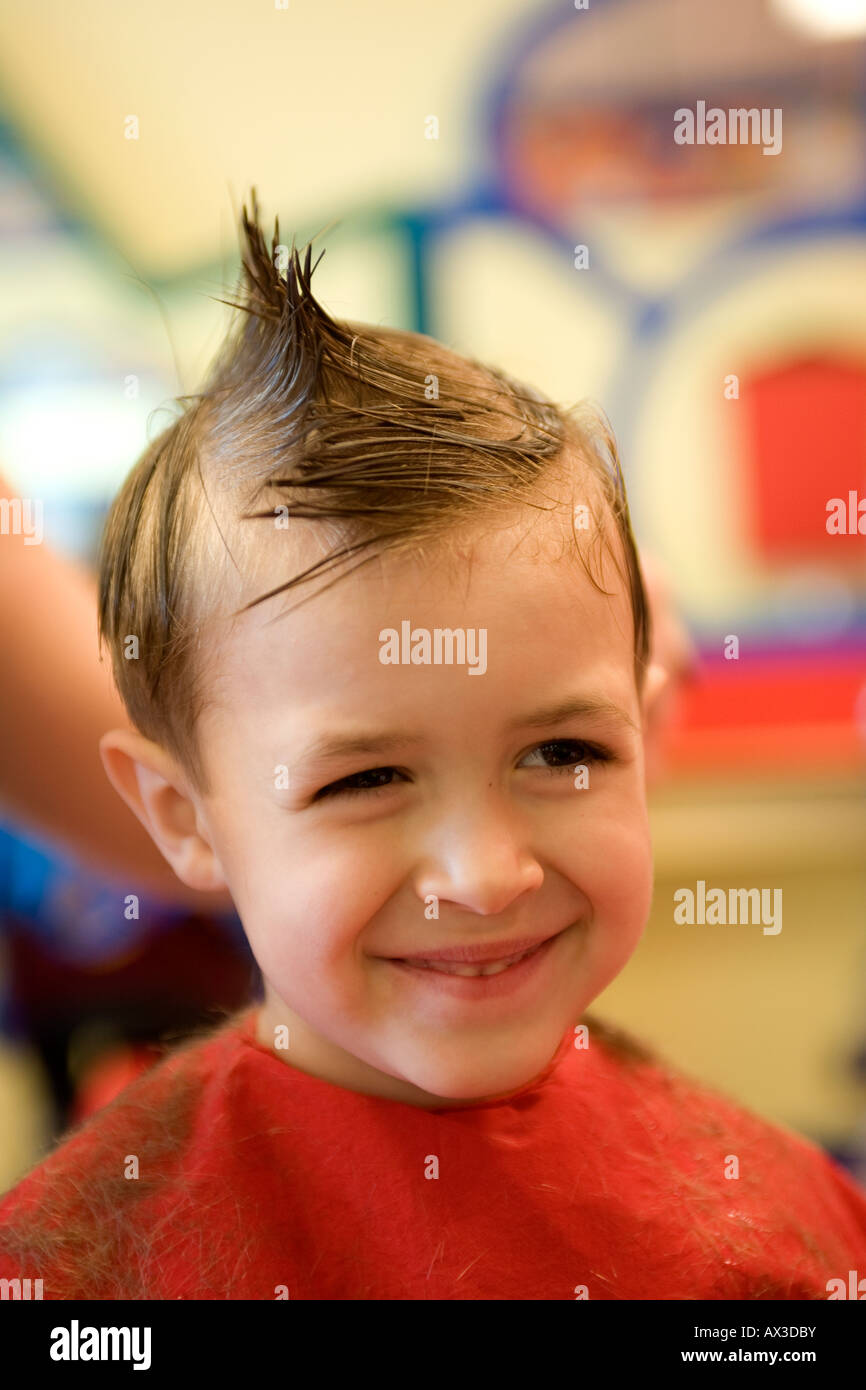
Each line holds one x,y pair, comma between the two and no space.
483,867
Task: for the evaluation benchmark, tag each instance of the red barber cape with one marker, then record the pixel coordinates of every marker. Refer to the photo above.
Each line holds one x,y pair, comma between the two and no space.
604,1178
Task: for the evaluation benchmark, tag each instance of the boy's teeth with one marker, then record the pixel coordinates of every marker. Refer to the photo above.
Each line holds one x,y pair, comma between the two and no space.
489,968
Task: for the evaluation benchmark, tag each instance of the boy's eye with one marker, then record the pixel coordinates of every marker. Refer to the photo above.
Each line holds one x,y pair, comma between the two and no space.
567,753
373,778
571,751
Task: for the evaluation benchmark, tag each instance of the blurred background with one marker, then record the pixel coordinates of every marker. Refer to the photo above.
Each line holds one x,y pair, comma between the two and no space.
504,177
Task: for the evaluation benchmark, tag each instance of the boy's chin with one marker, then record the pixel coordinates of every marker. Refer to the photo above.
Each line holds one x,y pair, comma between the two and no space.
470,1082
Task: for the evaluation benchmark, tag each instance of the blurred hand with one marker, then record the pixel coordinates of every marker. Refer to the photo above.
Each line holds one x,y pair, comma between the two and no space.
56,701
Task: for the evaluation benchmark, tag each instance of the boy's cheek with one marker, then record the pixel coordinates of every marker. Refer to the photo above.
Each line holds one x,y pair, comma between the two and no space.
624,885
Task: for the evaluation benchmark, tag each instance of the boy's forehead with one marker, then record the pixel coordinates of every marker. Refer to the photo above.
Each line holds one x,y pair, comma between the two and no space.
519,578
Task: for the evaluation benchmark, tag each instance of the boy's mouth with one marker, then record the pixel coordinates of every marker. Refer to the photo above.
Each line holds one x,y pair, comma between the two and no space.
450,967
475,959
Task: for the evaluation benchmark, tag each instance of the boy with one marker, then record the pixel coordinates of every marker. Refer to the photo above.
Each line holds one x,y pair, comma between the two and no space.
422,782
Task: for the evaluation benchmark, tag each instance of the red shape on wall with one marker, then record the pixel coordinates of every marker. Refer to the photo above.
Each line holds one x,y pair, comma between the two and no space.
805,443
760,714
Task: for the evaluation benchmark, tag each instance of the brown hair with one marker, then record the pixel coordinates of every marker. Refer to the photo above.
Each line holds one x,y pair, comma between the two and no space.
383,439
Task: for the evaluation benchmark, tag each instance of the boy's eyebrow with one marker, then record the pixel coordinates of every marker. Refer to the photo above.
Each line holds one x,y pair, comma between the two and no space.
596,707
335,746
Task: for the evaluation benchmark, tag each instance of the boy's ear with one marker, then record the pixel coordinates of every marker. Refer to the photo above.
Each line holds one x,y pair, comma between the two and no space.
154,788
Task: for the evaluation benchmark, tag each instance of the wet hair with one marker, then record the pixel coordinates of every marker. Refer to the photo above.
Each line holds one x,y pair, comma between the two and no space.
376,438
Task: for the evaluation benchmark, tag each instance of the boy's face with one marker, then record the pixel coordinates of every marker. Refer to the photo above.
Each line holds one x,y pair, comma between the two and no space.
478,818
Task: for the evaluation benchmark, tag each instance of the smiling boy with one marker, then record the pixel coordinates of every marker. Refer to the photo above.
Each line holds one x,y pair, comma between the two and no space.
394,836
462,795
